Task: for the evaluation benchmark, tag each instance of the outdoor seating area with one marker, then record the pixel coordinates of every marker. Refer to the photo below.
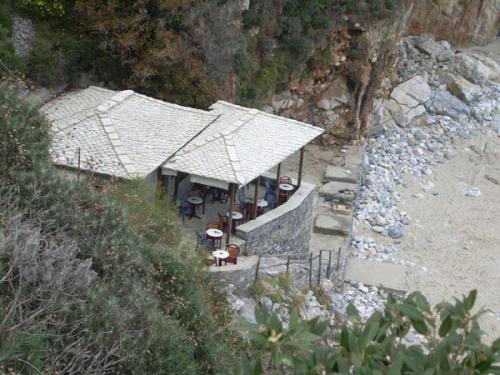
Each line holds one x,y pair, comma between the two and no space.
206,211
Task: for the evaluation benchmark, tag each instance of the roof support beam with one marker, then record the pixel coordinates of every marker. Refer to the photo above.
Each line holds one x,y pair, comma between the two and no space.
278,185
301,164
176,184
255,198
230,213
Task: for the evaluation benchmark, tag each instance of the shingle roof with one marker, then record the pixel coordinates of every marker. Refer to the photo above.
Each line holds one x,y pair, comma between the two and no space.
241,144
121,134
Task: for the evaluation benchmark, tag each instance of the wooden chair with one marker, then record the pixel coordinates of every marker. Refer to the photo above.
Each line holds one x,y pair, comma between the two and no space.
223,224
214,226
234,251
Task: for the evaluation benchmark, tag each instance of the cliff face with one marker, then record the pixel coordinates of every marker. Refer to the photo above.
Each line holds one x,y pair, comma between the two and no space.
360,56
320,61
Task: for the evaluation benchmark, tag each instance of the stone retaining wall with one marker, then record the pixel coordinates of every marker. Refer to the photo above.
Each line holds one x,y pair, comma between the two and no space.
286,229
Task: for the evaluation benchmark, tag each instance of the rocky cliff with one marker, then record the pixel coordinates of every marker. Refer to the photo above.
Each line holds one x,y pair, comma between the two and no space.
321,61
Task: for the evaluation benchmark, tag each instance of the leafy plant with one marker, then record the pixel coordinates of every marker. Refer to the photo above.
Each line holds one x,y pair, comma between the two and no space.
451,342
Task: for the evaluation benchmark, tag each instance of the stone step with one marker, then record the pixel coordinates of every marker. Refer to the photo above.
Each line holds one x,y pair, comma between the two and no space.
389,276
341,174
338,191
341,209
333,225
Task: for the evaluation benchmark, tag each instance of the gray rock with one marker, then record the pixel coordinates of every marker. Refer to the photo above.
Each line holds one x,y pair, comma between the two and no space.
413,92
495,123
396,232
444,103
460,87
247,311
267,303
471,69
450,154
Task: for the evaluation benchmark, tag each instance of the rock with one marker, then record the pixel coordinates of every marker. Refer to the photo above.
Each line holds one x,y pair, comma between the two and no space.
473,192
378,229
471,69
247,311
495,123
380,220
396,232
237,304
435,50
491,65
23,34
402,114
444,103
324,104
413,92
460,87
450,154
267,303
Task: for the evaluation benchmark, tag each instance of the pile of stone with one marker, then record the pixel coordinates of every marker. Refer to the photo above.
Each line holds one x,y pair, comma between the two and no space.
368,248
367,300
443,97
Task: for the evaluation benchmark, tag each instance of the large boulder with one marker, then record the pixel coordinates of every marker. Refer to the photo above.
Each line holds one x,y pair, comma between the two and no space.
426,44
460,87
471,69
413,92
402,114
444,103
490,64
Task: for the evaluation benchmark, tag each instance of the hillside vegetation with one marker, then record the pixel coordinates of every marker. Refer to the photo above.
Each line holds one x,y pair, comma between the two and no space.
81,290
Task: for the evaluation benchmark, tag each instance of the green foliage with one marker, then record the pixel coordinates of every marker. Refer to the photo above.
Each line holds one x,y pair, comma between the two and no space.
149,306
23,136
452,342
45,63
7,52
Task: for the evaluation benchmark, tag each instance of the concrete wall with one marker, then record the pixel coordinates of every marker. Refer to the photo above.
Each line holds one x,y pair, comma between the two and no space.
286,229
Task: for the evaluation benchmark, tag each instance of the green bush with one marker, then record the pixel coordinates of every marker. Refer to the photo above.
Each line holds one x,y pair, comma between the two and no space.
6,19
45,63
452,342
148,311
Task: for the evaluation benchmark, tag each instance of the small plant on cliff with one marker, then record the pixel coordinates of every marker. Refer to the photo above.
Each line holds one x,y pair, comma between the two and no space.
452,342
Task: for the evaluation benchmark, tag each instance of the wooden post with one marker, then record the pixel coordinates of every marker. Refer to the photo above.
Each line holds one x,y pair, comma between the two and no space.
176,184
310,270
160,184
255,198
329,268
278,185
301,164
257,270
319,266
230,213
338,261
287,264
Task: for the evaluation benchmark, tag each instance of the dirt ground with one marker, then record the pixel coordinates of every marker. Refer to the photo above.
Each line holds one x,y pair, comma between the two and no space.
453,242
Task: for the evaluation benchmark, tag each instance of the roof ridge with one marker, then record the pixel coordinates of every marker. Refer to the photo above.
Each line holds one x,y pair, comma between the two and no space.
259,112
234,160
178,106
117,145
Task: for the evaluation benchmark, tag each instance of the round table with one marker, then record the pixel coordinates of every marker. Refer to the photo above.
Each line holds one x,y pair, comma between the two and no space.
286,187
236,215
262,203
194,201
215,235
237,220
219,255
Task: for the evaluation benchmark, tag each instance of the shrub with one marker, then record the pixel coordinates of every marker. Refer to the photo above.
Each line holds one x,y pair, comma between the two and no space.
146,310
6,19
45,63
452,342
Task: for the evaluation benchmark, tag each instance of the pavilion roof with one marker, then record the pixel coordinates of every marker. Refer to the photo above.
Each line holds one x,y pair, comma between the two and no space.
241,144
